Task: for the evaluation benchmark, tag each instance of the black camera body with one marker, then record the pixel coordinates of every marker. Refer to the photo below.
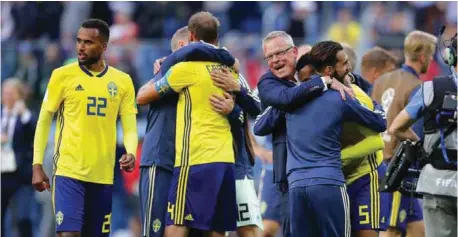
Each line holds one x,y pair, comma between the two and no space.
448,110
406,153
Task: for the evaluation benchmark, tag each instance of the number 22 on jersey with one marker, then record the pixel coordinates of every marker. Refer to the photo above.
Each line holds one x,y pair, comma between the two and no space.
96,106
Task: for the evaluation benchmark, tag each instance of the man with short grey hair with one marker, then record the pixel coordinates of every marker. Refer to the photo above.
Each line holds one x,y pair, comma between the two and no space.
275,34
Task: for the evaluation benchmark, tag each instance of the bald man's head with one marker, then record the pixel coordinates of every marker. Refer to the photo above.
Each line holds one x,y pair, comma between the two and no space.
179,39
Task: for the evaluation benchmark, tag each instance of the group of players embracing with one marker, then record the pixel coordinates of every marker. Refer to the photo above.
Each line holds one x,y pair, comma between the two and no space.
198,151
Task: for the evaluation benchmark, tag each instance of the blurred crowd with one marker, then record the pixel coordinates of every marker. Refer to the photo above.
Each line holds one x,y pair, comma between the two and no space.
37,37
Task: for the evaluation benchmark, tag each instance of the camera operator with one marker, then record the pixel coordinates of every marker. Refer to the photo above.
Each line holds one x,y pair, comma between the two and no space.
436,103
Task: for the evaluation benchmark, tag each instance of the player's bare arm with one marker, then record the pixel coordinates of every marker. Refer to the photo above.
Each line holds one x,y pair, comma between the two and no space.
154,90
144,95
400,127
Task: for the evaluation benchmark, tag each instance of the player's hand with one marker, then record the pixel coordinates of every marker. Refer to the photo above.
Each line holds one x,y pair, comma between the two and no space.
157,65
4,139
127,162
222,104
40,181
264,154
224,80
338,86
20,107
348,79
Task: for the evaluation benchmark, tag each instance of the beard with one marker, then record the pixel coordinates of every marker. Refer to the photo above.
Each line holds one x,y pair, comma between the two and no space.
339,77
90,60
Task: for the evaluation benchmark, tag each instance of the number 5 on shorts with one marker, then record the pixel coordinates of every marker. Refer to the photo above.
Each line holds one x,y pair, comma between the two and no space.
364,213
106,224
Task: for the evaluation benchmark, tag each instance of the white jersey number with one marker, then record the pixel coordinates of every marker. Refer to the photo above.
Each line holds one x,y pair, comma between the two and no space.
387,99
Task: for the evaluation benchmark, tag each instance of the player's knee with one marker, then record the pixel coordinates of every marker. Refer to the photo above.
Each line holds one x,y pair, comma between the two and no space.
175,231
390,232
416,229
366,233
69,234
249,231
215,234
270,228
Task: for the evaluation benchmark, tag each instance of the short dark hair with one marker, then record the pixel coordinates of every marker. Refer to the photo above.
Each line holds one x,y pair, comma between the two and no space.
324,54
100,25
303,61
205,26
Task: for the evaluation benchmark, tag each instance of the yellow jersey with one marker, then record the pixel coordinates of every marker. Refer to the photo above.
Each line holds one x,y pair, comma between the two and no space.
365,155
87,108
202,135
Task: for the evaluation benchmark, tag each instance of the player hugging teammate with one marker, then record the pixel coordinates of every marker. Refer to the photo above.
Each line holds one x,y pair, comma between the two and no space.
210,186
322,151
196,167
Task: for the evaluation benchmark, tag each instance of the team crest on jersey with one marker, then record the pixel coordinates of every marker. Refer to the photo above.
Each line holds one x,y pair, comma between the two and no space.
59,218
402,215
263,207
156,225
112,89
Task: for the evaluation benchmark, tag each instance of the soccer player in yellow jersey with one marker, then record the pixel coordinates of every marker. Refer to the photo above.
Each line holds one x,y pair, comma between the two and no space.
360,161
88,97
202,194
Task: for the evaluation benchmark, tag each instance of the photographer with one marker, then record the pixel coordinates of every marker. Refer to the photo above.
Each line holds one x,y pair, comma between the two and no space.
436,103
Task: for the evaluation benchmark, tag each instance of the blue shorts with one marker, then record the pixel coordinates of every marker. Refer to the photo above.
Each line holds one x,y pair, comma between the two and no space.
398,210
82,206
153,190
319,210
203,197
365,202
274,204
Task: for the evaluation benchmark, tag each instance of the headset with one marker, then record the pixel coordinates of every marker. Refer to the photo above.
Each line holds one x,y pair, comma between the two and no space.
449,54
449,106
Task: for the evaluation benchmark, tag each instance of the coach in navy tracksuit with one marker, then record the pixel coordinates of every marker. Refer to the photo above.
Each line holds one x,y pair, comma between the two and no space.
277,88
315,177
158,153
